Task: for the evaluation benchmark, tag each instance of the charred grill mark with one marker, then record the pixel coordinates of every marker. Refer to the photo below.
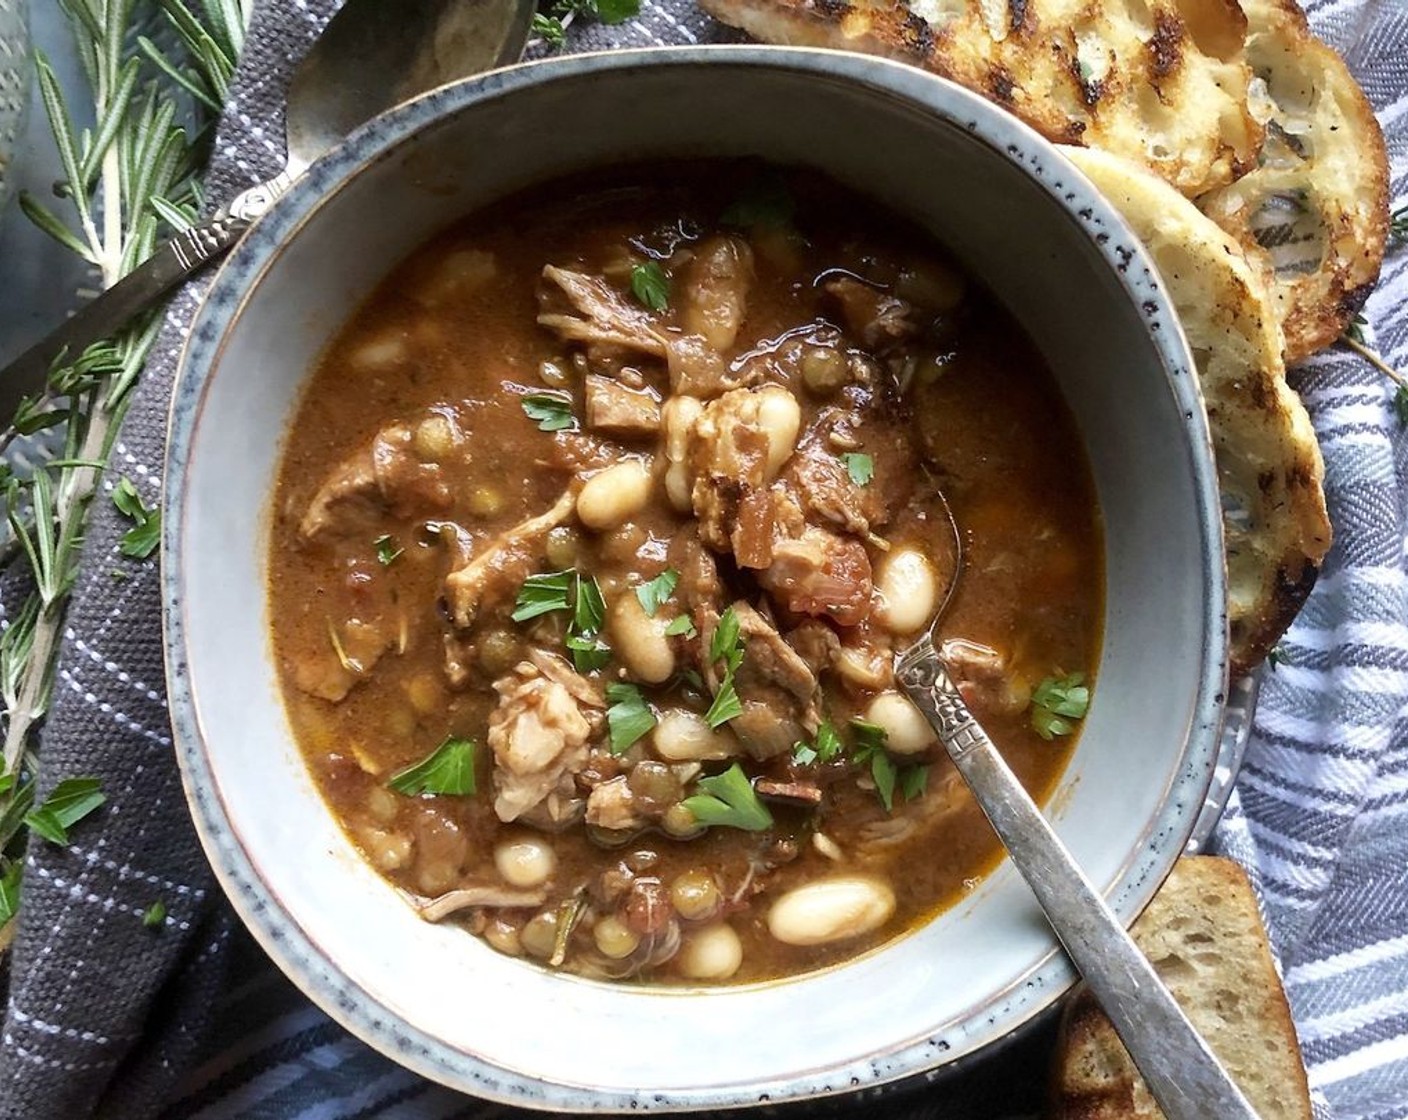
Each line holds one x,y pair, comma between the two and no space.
918,36
1000,85
832,9
1166,46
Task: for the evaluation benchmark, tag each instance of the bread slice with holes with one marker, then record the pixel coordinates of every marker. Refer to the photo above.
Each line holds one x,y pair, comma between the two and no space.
1268,460
1204,936
1161,82
1315,208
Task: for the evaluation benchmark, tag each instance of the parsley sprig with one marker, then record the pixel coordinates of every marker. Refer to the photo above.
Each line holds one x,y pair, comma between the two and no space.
859,466
569,590
1057,701
551,25
654,592
726,647
141,540
448,769
628,718
651,286
730,801
552,411
869,751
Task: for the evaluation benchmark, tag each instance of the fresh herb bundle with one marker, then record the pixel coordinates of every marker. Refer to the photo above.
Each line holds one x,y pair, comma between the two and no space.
157,72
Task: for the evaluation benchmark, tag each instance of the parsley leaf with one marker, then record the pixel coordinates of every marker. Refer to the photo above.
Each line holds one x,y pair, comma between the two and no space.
870,749
1400,406
588,651
651,286
141,540
1056,701
448,769
765,201
588,607
729,800
681,625
826,746
71,800
552,411
859,466
726,705
914,780
655,592
726,645
155,915
386,550
543,594
629,716
1355,330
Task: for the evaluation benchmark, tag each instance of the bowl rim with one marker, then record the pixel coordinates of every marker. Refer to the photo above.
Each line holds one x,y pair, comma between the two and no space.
275,928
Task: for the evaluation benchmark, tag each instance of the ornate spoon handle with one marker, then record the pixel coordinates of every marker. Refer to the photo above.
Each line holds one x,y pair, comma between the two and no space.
1184,1075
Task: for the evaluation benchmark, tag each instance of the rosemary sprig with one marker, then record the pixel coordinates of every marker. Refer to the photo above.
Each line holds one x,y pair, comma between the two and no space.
157,71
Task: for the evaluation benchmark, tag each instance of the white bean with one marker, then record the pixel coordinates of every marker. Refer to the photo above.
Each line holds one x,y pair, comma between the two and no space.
611,496
780,417
831,910
909,591
682,736
640,641
906,729
678,416
525,862
712,952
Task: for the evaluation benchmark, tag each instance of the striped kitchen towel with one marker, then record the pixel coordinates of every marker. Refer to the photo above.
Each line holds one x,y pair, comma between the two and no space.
197,1024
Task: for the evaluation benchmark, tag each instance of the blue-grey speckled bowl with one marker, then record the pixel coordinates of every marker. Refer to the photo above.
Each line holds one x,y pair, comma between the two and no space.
1038,235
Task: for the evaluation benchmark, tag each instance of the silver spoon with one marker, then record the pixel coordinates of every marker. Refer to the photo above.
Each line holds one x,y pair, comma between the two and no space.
1184,1075
374,54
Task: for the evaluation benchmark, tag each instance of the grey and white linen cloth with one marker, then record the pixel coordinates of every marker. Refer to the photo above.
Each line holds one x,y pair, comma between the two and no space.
106,1017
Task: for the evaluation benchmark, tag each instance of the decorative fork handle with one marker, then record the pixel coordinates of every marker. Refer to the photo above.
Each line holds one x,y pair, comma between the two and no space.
100,318
1183,1074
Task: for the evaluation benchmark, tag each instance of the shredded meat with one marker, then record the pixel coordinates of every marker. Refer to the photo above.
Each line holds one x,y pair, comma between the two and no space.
501,566
388,475
464,897
821,573
612,805
805,793
696,368
768,657
555,668
777,690
538,735
330,675
596,315
713,290
816,644
873,316
616,410
986,680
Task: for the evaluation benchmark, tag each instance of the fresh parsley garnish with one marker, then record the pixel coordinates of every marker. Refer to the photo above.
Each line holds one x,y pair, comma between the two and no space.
729,800
914,780
1355,331
154,916
911,779
859,466
543,594
657,590
141,540
552,411
386,550
1056,701
551,26
588,651
69,802
629,716
765,202
681,625
726,646
569,590
1400,405
448,769
826,746
651,286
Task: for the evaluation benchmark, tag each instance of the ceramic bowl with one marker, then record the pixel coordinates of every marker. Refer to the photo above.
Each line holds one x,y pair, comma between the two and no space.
1021,219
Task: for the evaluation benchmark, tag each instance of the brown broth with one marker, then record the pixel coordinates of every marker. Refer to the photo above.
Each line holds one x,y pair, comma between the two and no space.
443,334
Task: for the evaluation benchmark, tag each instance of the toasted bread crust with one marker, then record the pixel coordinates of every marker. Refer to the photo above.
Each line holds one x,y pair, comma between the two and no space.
1269,467
1315,212
1203,934
1140,80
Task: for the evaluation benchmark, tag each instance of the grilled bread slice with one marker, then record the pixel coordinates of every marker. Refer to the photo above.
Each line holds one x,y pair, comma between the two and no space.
1315,209
1204,935
1268,461
1160,82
